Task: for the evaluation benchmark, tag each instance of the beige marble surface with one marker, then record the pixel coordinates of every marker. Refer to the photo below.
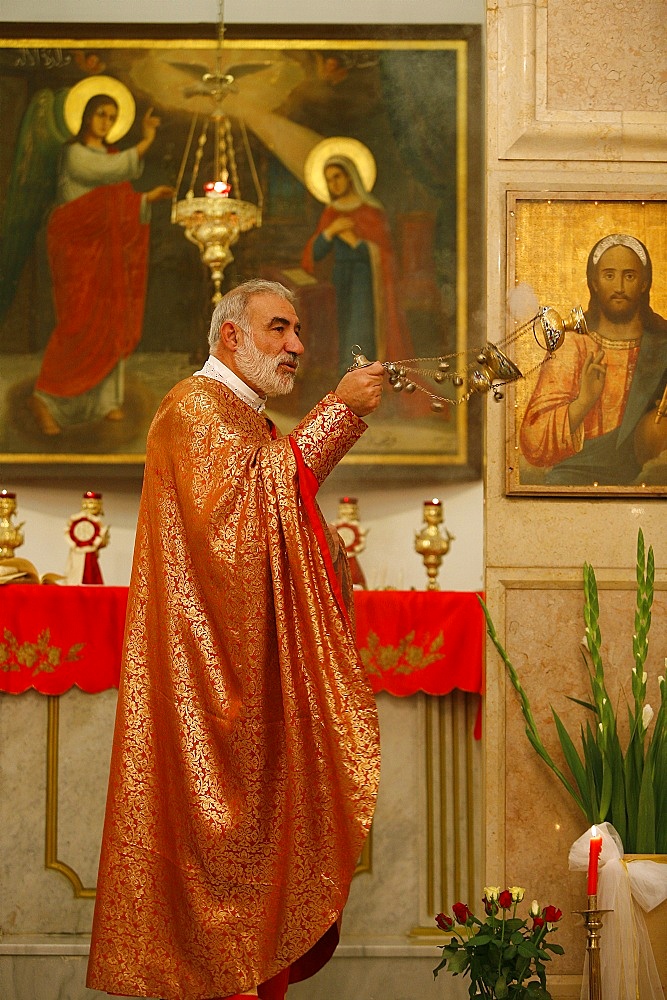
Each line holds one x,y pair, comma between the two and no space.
623,73
555,123
543,631
569,90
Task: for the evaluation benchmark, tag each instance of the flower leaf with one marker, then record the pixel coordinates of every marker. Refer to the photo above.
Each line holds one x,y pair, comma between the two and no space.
458,962
556,948
528,950
646,817
571,756
500,988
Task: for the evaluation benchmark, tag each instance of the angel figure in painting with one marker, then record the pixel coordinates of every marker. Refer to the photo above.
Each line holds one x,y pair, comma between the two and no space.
97,246
354,229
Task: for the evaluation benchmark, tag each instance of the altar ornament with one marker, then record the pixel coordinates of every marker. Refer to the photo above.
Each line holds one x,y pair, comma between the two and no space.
11,535
354,537
477,371
86,534
430,543
213,221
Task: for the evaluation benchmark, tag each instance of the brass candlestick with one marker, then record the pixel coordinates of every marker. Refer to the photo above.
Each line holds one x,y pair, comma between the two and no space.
593,923
11,535
430,543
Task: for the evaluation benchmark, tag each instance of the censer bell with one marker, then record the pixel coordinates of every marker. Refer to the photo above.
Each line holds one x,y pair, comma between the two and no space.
493,366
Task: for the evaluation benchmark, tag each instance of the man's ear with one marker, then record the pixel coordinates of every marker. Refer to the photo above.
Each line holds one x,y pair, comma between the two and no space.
230,336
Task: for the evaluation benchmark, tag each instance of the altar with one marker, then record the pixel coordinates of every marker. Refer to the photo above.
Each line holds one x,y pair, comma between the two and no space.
60,650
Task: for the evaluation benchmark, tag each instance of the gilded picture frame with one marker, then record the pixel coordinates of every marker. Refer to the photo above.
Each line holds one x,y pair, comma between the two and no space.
588,418
410,95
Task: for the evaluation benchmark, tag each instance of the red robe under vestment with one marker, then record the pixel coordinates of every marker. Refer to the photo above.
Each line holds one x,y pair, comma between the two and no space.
246,757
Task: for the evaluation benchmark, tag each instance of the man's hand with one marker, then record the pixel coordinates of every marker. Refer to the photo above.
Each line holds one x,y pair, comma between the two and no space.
361,388
592,382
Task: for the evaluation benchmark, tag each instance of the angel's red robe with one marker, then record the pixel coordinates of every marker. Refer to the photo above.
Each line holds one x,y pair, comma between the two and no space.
98,254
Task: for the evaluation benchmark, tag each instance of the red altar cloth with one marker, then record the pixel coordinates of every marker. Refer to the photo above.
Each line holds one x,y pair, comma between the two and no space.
416,640
52,638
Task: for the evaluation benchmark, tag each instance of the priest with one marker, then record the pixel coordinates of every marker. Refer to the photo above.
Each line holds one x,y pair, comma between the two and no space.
245,758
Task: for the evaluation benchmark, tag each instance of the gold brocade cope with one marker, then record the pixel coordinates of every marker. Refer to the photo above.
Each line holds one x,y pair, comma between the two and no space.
246,754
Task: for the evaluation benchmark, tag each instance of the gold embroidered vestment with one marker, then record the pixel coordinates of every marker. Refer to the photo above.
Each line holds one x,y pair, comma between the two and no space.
245,759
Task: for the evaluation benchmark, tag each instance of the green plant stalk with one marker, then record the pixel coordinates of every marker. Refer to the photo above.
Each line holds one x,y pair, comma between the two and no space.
629,790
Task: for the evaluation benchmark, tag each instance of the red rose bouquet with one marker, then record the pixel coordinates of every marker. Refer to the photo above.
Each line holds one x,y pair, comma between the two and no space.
503,954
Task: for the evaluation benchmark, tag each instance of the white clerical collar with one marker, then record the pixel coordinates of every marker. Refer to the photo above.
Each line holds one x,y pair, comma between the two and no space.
214,368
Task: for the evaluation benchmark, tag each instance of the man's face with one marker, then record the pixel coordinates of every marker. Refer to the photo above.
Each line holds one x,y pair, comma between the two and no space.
338,182
268,356
619,283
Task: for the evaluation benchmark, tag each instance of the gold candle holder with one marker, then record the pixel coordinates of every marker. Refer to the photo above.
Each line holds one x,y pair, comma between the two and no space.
11,535
431,543
593,924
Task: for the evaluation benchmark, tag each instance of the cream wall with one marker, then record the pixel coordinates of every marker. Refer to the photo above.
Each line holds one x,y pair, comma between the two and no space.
565,113
257,12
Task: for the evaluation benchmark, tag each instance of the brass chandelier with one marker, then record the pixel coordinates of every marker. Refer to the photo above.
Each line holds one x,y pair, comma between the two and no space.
212,219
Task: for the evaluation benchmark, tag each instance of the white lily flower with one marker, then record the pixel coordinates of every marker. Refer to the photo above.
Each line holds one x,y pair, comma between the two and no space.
647,715
534,908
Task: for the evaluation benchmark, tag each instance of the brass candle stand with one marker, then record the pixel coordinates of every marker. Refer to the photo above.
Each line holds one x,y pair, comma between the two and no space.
593,924
11,535
430,543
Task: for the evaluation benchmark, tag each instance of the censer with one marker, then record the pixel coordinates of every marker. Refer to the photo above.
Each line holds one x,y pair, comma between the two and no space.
487,370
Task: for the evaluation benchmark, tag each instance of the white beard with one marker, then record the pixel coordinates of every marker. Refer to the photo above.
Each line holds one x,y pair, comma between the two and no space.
261,370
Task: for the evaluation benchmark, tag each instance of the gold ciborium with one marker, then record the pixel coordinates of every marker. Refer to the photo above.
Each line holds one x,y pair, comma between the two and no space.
430,543
11,535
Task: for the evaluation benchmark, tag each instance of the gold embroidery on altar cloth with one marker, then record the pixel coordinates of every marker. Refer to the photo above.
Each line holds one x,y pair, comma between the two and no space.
38,657
405,658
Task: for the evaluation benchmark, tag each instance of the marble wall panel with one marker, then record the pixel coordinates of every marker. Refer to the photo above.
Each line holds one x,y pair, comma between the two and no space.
37,901
554,105
39,914
543,632
34,900
626,73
